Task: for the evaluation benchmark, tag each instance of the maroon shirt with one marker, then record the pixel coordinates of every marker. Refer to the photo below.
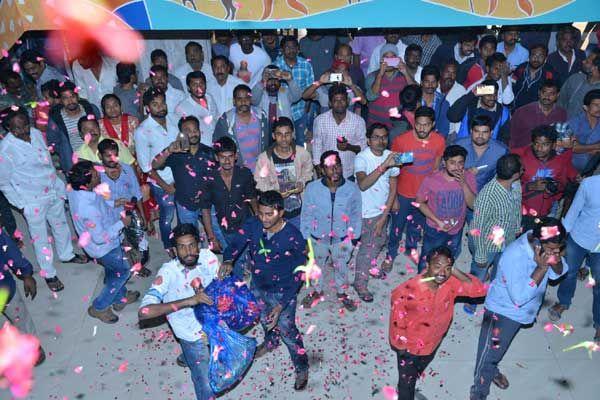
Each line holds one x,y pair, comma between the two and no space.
528,117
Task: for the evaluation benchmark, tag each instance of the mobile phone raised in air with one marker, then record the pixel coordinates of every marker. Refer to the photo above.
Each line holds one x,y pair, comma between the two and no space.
483,90
392,61
335,77
404,158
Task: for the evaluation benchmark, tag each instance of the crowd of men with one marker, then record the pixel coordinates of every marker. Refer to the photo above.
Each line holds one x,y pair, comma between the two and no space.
349,143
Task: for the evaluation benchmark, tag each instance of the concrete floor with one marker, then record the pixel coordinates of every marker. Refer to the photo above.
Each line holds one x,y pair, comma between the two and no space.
349,353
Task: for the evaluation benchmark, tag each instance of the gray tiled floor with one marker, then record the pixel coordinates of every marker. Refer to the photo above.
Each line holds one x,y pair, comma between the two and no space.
349,352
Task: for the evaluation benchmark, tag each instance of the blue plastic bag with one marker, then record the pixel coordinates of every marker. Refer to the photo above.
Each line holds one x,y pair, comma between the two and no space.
234,309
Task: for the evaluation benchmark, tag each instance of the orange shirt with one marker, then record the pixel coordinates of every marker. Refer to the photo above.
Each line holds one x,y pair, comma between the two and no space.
426,154
421,316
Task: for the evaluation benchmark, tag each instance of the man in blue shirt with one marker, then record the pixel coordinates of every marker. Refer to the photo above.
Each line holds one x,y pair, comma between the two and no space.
277,248
99,228
515,296
586,129
430,78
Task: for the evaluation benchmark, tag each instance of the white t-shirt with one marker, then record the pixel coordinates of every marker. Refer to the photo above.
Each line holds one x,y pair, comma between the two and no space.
257,61
375,197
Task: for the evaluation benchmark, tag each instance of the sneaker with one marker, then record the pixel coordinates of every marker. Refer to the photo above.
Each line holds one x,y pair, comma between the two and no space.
348,303
78,259
364,294
501,381
555,312
470,308
54,284
105,316
301,380
181,361
311,298
130,297
387,265
261,350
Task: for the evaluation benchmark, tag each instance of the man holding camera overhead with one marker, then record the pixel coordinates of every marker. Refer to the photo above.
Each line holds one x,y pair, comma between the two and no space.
546,175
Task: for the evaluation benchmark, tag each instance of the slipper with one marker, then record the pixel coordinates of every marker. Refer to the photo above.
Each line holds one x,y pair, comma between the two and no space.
364,294
144,272
501,381
553,314
54,284
583,273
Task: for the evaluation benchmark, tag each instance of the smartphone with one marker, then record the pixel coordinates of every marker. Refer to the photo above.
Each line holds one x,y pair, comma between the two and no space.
483,90
404,158
335,77
392,61
271,72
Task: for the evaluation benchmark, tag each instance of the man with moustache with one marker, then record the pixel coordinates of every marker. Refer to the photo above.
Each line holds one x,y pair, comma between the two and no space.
452,91
89,130
248,59
221,87
194,61
529,77
160,81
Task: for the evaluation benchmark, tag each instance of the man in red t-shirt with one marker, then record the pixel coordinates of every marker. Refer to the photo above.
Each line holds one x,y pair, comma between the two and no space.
422,310
427,147
546,175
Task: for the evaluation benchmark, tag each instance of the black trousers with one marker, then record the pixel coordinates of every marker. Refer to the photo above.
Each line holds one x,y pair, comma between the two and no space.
410,367
7,219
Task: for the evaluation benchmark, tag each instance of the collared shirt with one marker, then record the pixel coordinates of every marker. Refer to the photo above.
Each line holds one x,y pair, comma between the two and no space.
91,214
513,293
326,134
232,205
85,152
583,218
495,206
573,91
207,116
585,134
182,72
173,97
528,117
125,186
150,139
505,94
458,57
93,89
303,76
487,161
518,56
174,282
27,174
223,95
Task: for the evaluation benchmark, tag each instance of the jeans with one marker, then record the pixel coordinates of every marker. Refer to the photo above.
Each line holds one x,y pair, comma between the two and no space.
433,238
339,253
166,210
482,273
369,249
566,290
242,262
416,221
410,367
285,329
187,216
300,126
116,273
197,356
497,332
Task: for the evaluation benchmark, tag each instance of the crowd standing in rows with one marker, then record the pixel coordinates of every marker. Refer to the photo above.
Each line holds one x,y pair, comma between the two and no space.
349,143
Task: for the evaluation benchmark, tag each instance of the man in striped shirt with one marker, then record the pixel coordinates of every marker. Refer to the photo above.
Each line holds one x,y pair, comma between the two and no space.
497,219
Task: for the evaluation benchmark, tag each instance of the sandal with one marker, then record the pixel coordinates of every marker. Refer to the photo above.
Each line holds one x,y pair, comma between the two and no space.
79,259
386,265
554,314
144,272
501,381
54,284
583,273
364,294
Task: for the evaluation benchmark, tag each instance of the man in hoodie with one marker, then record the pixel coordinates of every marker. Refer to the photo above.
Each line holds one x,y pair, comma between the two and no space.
333,226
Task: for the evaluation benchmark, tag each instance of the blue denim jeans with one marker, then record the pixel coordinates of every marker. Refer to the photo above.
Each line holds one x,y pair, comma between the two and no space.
413,227
187,216
285,329
566,290
300,129
197,356
433,239
166,210
242,262
116,273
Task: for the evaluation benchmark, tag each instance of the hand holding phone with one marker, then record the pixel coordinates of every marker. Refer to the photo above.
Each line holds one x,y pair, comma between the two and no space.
392,61
404,158
335,77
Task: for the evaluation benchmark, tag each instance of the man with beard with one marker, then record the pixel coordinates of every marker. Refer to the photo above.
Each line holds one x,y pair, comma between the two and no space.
497,69
34,66
567,59
514,52
412,58
159,81
30,183
194,58
270,43
303,75
178,287
103,225
63,134
13,91
159,57
546,175
200,104
443,198
586,130
221,87
529,77
514,298
153,135
452,91
89,130
248,59
578,85
464,49
416,331
277,248
427,147
392,37
430,77
276,100
247,126
544,111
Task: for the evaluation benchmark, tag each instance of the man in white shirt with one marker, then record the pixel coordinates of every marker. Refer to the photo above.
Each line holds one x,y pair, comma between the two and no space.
95,75
28,180
391,37
194,57
178,287
151,137
221,87
377,179
255,58
199,104
497,68
159,80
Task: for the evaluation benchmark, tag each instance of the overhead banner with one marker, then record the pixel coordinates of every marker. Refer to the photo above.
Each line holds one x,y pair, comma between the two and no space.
18,16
